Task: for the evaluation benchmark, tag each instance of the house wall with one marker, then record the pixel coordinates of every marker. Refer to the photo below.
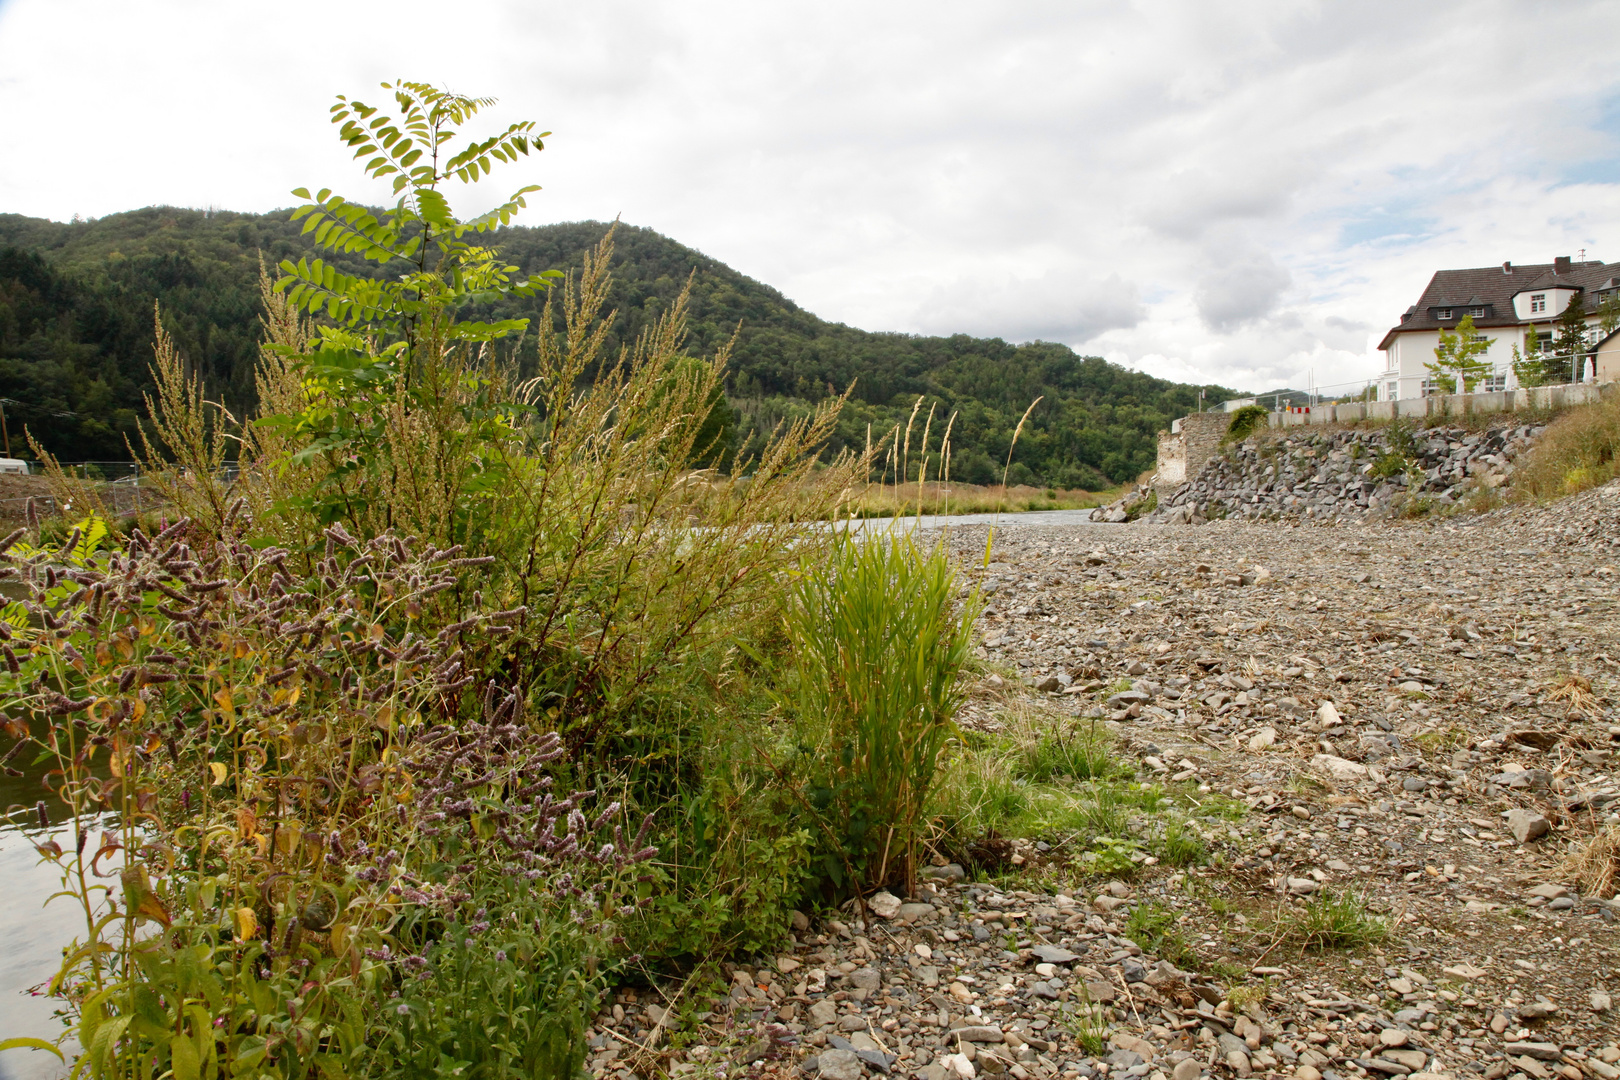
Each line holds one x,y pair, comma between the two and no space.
1406,360
1608,359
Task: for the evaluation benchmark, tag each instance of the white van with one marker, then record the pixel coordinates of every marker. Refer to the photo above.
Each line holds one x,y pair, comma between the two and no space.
13,465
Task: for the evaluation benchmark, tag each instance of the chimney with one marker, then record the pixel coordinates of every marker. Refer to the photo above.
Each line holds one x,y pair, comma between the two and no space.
1507,268
1561,264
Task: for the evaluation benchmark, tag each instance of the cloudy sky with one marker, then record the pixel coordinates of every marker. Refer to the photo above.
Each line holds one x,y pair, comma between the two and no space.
1249,193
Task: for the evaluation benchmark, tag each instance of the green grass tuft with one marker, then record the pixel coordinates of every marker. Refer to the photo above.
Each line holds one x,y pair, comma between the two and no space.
1334,920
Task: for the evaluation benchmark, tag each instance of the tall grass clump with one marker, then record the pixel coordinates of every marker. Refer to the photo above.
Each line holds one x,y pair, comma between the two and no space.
1576,452
878,636
331,740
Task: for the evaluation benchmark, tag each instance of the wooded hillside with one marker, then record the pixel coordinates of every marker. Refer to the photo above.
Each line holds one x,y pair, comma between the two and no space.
76,304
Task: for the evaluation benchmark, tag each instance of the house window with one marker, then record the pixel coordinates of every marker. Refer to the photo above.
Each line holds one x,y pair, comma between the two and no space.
1442,313
1391,391
1538,302
1477,337
1494,384
1476,313
1430,387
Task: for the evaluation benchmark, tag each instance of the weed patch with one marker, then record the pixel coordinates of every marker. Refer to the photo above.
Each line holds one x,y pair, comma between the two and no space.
1152,927
1087,1026
1576,452
1333,920
1181,844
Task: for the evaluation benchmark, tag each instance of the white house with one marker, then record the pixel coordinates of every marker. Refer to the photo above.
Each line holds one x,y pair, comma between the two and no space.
1505,303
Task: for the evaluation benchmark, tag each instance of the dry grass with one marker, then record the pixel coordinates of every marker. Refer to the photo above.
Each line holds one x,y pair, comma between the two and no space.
890,500
1594,864
1577,690
1576,452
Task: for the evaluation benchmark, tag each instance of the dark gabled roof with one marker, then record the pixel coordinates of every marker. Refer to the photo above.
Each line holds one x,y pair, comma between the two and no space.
1490,287
1589,276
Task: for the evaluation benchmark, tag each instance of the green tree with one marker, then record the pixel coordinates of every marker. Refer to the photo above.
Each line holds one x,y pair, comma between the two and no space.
393,345
1537,366
1609,314
1571,345
1457,366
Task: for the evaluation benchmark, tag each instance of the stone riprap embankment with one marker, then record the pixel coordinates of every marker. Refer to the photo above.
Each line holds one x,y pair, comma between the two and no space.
1353,473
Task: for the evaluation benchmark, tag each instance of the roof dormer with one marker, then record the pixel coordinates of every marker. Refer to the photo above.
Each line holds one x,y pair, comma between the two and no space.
1542,302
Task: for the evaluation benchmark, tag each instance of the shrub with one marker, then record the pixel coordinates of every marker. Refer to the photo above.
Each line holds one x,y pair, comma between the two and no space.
305,780
1389,464
1245,422
878,639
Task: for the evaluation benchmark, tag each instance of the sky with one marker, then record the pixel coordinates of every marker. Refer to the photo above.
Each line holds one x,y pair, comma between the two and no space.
1246,193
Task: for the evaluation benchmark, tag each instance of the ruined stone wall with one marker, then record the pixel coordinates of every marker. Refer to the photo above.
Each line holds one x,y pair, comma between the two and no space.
1190,442
1172,467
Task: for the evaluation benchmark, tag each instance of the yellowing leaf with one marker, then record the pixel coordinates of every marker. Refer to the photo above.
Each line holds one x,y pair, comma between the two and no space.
139,897
247,923
289,836
223,699
220,772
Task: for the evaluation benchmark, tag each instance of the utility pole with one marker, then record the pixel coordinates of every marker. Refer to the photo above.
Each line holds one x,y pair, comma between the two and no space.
3,428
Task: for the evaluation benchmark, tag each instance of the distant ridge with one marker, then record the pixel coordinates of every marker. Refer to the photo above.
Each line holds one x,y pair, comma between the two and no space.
75,341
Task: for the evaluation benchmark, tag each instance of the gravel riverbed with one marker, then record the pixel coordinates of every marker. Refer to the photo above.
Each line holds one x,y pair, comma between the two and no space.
1416,715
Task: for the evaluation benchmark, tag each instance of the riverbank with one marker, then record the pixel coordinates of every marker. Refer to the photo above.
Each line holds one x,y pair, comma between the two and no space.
1397,743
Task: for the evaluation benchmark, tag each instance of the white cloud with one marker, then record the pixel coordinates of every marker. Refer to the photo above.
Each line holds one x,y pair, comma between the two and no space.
1240,291
1069,307
1242,194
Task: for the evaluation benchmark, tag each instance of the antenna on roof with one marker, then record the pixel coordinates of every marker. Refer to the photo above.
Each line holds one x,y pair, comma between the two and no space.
1583,255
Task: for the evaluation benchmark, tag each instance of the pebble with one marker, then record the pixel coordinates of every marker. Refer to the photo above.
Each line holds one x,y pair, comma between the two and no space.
1527,825
839,1065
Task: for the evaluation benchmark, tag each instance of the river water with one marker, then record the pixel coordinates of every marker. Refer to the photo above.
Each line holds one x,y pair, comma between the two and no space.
33,933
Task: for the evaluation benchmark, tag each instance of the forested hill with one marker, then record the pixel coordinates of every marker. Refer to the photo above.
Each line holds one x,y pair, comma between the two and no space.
76,305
